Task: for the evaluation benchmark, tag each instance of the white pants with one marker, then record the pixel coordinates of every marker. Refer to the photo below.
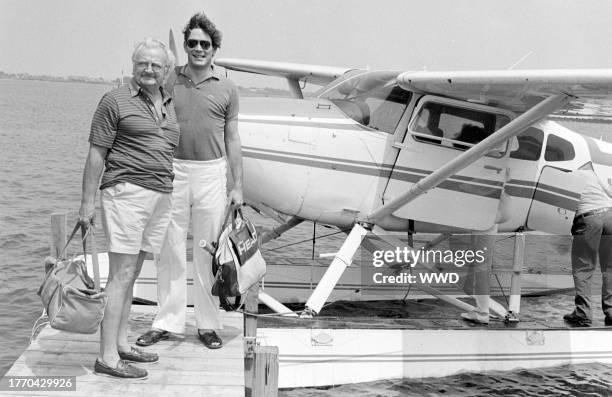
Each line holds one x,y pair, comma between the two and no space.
199,190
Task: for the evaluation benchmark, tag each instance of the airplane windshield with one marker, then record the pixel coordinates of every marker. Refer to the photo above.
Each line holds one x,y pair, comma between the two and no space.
372,99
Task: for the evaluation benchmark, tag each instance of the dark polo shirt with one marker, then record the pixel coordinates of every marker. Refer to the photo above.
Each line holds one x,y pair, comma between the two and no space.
202,110
140,145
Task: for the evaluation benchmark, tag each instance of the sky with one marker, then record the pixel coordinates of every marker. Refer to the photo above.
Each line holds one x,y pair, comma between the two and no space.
96,38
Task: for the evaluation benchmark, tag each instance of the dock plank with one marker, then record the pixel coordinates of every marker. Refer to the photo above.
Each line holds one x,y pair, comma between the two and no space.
186,365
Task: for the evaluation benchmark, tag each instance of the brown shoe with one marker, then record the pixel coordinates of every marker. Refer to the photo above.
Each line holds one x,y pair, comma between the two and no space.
476,317
122,370
151,337
210,339
139,356
577,320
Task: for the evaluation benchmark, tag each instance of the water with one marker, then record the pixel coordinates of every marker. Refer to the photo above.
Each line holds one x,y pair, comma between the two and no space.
43,143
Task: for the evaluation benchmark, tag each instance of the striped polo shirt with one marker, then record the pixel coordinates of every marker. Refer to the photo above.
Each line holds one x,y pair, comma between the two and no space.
140,146
203,110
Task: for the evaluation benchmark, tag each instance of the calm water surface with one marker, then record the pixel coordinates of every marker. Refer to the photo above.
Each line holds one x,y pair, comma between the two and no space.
43,142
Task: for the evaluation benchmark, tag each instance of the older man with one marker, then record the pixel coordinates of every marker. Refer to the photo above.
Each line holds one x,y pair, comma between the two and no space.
207,109
133,135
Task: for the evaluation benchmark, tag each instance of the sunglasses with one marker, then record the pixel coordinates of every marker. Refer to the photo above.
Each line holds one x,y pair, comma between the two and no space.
205,44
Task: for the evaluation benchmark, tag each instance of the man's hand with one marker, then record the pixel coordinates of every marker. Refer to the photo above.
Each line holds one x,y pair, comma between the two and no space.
87,214
235,196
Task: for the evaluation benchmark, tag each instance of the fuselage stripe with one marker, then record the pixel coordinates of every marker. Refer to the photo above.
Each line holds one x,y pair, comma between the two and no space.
421,173
463,187
481,187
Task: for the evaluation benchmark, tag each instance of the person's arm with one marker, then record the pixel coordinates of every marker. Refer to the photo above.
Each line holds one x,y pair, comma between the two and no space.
94,165
233,149
605,185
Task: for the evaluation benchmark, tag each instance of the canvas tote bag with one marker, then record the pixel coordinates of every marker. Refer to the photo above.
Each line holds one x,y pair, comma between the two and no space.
237,261
72,300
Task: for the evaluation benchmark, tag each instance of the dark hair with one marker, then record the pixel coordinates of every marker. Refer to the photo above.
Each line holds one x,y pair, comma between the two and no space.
201,21
471,133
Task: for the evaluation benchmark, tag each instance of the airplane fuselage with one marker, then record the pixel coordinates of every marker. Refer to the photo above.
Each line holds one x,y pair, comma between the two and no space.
308,158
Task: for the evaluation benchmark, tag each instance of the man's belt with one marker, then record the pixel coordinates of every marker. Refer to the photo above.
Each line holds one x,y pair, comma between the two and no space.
594,212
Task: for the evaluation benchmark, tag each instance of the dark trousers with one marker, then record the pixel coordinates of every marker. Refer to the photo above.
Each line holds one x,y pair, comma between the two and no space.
592,239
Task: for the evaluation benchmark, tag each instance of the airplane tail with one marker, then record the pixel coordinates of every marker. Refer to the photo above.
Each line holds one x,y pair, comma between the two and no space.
172,45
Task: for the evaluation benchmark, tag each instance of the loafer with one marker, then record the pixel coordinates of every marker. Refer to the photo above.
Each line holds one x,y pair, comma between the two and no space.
577,320
139,356
476,317
151,337
210,339
608,321
122,370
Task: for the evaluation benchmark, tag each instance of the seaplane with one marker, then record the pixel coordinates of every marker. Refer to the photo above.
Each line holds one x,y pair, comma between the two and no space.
381,154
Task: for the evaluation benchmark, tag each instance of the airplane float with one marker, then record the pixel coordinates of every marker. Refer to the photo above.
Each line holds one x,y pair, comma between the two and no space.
381,152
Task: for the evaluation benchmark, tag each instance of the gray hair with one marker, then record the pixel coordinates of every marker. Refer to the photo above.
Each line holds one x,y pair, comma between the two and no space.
154,43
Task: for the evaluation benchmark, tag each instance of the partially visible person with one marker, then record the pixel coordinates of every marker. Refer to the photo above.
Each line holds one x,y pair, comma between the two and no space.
207,109
133,135
592,231
476,280
470,134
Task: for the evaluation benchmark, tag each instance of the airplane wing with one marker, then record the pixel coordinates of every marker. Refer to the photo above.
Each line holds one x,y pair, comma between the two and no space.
315,74
519,90
534,94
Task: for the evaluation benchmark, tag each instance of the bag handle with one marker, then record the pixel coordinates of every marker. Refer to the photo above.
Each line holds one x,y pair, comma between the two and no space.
76,227
94,254
230,216
237,212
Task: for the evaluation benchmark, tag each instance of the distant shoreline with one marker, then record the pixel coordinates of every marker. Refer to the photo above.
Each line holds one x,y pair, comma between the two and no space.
68,79
245,91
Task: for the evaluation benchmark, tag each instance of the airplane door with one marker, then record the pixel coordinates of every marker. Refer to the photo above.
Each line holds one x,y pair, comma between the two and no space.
557,192
440,130
555,201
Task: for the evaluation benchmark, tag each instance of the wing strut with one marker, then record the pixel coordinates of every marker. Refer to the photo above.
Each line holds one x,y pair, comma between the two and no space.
294,87
511,129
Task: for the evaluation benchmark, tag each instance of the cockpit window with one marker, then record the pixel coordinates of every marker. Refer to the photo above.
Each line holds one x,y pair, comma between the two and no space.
372,99
455,126
558,149
530,144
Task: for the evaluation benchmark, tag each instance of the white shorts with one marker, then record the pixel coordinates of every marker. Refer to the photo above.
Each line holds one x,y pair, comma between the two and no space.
134,218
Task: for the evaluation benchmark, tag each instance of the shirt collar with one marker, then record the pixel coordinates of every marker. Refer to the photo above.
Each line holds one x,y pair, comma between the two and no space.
216,74
135,90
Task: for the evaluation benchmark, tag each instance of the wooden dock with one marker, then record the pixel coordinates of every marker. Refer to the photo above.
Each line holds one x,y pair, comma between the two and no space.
185,367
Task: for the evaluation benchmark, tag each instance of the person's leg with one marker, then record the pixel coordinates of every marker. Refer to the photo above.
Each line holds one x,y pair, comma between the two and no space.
605,262
209,203
483,241
171,262
123,270
479,273
587,235
122,337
